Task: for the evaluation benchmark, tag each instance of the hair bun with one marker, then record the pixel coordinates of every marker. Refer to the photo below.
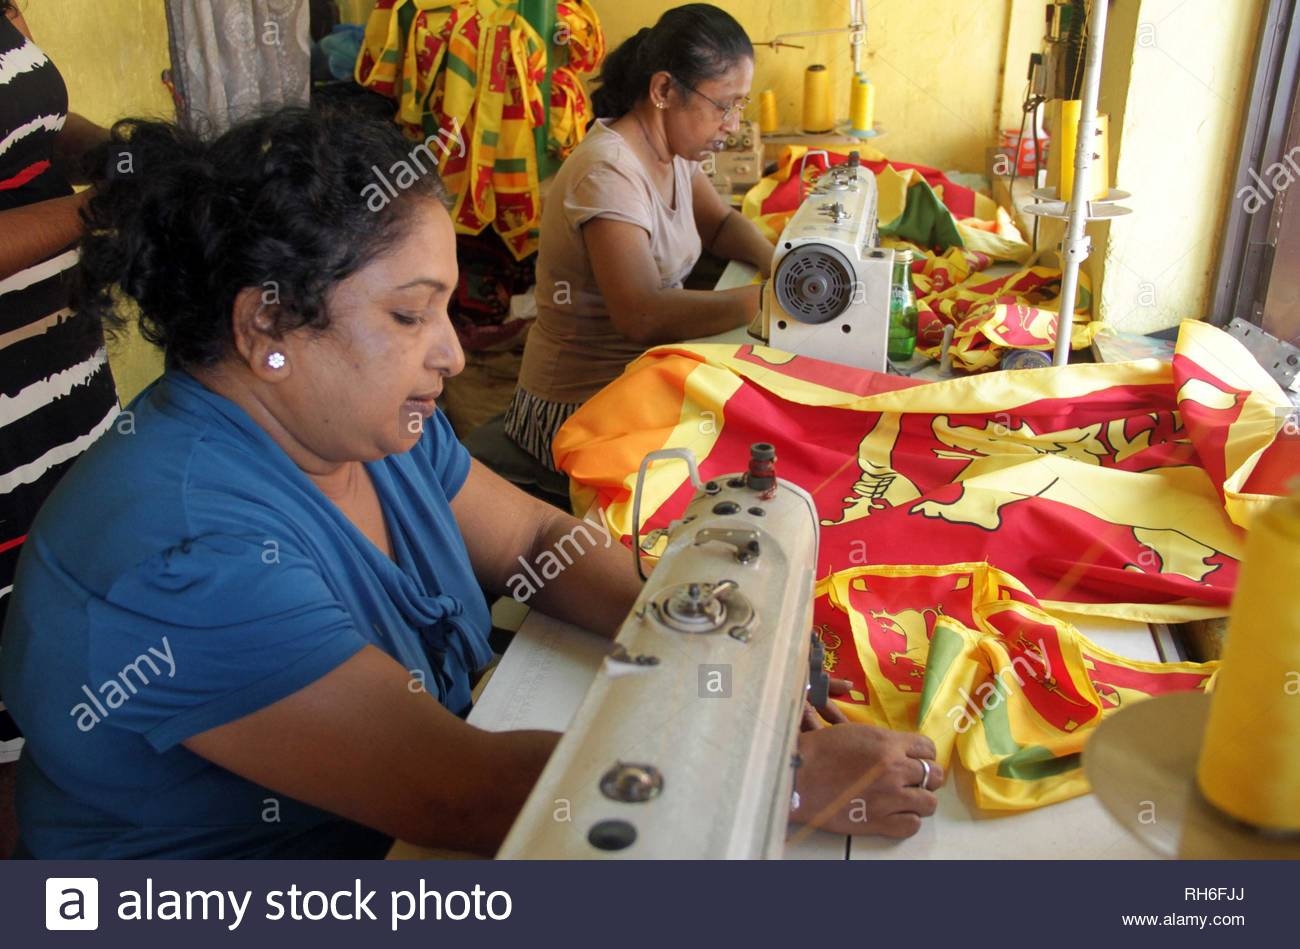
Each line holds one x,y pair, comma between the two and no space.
182,225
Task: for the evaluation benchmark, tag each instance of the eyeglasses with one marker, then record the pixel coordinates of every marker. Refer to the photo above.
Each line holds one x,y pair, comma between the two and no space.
729,112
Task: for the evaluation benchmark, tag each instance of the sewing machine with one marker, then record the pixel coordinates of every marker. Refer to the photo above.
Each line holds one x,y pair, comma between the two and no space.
739,165
829,292
684,744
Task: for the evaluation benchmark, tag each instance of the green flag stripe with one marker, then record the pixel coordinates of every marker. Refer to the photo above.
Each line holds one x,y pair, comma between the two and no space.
1023,762
461,68
946,645
1034,762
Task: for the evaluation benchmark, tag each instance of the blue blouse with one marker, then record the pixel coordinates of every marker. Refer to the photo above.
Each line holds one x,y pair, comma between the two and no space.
187,573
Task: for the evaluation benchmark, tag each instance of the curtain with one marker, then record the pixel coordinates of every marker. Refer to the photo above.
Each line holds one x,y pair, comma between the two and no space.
236,58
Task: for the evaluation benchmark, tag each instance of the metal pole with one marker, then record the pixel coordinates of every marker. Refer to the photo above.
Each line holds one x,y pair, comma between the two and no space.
858,24
1075,247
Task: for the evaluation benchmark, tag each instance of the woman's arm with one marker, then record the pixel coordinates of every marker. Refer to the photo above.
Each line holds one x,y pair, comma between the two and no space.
16,16
78,137
725,232
639,307
597,585
30,234
362,743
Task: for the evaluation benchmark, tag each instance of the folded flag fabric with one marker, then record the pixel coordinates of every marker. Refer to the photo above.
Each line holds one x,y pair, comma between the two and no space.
914,202
963,521
571,112
991,314
984,671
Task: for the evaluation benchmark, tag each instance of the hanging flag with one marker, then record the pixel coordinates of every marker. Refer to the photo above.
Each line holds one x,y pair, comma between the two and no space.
579,35
467,74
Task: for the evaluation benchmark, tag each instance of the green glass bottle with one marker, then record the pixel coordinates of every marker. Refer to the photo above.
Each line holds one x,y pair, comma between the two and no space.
902,309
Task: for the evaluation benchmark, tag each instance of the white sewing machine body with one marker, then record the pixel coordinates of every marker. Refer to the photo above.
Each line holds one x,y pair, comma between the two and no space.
829,293
683,746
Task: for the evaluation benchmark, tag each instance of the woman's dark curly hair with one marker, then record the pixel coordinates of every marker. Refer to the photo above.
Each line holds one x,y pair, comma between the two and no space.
281,203
694,42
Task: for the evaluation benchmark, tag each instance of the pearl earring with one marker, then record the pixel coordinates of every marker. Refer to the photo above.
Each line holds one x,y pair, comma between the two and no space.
275,360
661,105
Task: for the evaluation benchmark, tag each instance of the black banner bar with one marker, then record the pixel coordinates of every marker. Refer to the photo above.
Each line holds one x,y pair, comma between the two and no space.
154,903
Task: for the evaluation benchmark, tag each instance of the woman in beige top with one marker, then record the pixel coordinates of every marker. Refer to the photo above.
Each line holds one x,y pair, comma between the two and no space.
628,214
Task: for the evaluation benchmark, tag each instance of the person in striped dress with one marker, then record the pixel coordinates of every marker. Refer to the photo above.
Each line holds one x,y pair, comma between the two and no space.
56,390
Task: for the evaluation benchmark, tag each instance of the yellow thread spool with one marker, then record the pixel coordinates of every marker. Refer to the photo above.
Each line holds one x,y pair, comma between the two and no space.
1063,147
862,104
768,120
817,116
1249,767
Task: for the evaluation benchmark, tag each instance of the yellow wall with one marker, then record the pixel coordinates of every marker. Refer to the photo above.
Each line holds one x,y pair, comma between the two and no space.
111,54
1024,35
1178,77
948,76
937,65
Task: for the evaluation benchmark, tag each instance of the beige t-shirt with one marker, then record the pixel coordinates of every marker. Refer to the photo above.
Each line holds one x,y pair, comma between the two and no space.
573,349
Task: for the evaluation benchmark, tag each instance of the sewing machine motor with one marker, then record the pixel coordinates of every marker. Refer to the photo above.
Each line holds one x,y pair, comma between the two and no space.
829,293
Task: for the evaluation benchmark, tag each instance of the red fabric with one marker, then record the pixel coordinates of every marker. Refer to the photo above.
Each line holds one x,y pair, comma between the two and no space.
959,200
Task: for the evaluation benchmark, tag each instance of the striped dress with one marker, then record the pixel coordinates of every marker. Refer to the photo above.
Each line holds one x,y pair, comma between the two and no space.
56,390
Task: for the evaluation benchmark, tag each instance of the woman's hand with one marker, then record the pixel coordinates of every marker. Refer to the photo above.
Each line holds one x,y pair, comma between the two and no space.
860,779
831,714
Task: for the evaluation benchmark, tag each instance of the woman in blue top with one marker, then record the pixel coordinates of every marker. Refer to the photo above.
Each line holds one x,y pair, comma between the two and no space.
246,623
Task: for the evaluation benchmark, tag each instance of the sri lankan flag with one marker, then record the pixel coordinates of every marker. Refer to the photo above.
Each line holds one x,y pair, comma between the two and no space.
963,522
579,35
467,74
